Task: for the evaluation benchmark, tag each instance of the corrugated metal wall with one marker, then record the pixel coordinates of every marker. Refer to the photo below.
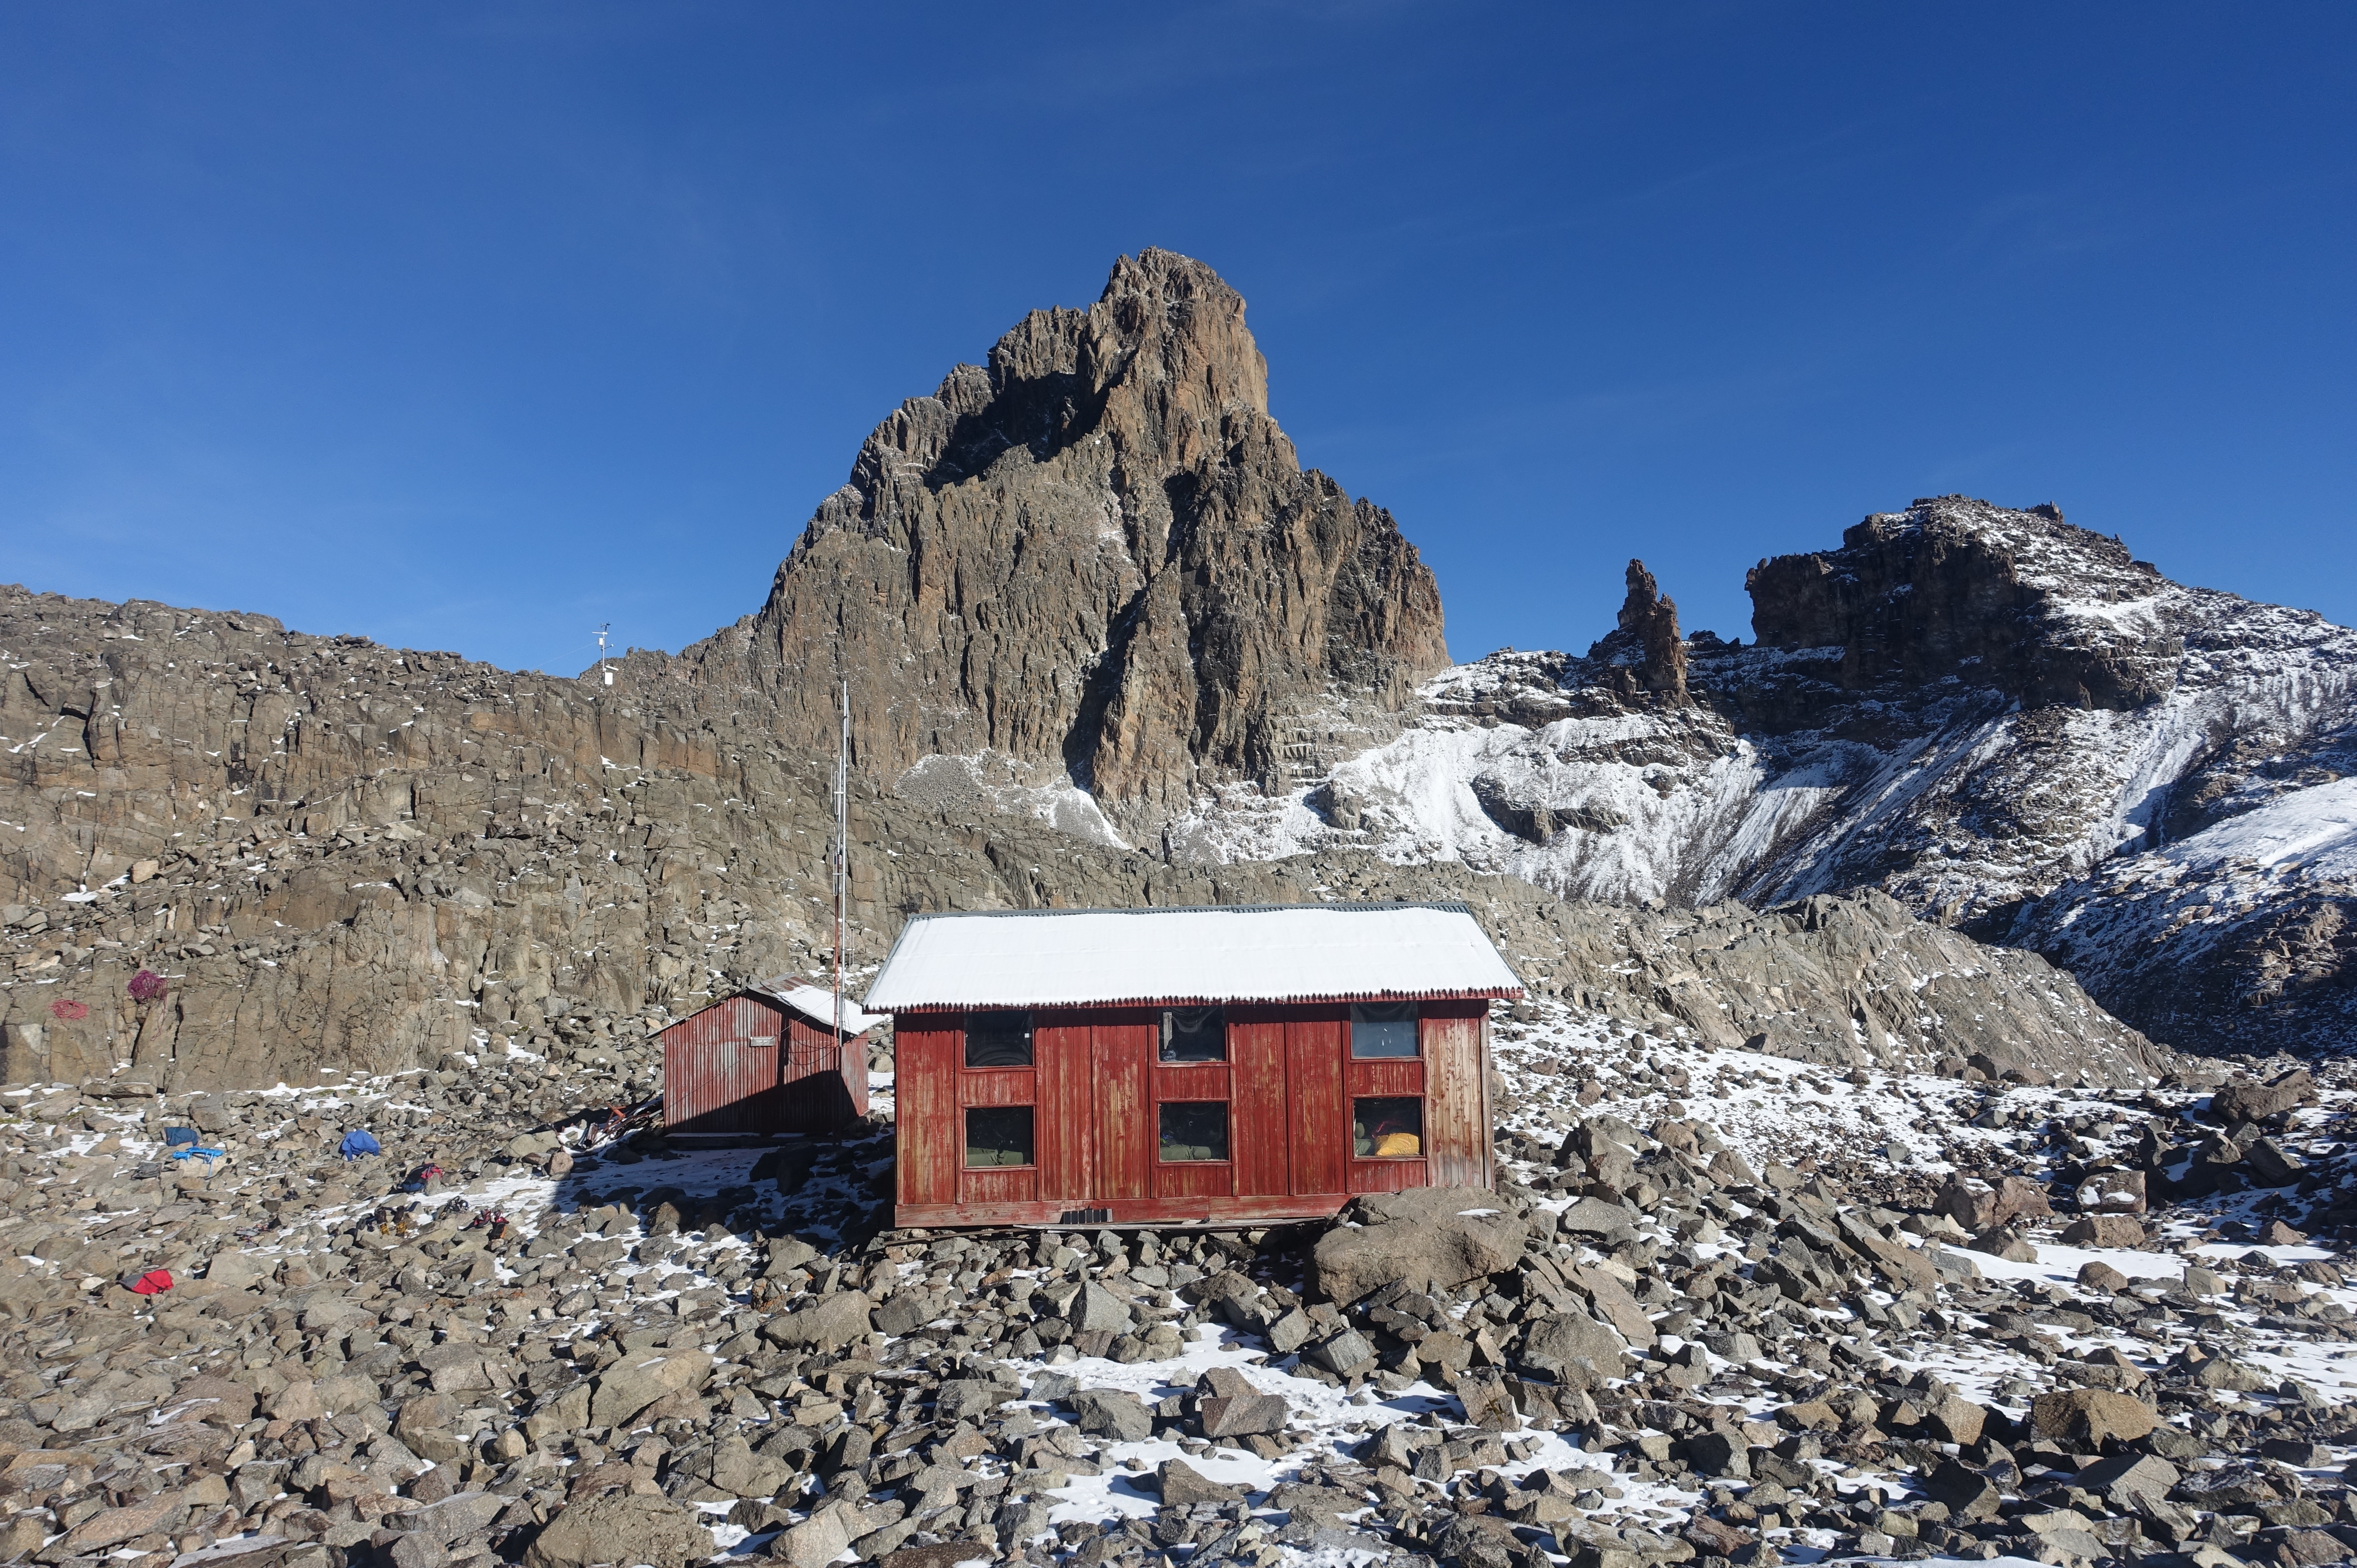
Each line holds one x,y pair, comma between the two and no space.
748,1066
722,1067
825,1089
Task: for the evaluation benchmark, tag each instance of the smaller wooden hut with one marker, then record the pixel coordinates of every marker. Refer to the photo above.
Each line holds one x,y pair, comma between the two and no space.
1187,1066
764,1062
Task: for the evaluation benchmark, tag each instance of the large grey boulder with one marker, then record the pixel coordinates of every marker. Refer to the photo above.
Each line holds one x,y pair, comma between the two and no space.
737,1470
1718,1454
635,1382
1567,1345
2257,1102
1977,1205
2125,1480
327,1311
1095,1309
1112,1413
961,1398
621,1527
829,1324
816,1541
453,1519
1228,1405
904,1312
1611,1301
111,1527
565,1409
237,1269
1595,1220
1426,1238
1183,1486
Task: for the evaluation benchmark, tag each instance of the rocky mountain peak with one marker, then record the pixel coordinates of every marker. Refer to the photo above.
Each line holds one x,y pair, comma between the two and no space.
1097,561
1958,589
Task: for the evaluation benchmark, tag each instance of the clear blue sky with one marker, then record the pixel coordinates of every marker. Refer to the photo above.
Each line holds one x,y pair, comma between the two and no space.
472,326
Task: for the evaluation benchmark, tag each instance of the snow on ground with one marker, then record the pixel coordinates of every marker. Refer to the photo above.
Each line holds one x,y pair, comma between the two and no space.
2316,827
991,781
2303,839
1641,803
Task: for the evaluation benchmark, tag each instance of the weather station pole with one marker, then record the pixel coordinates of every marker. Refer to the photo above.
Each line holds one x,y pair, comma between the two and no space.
842,855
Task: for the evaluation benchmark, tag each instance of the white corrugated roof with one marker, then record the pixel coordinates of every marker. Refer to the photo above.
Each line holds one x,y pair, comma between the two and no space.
1047,958
818,1005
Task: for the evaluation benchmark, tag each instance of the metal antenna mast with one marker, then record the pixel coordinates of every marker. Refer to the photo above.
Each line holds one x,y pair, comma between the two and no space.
603,668
841,853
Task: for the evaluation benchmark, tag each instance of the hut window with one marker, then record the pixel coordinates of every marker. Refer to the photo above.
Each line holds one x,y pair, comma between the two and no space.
999,1136
1387,1129
1383,1029
1195,1035
998,1039
1195,1130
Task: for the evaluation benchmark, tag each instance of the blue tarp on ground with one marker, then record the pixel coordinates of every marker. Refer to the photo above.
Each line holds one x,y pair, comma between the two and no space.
356,1144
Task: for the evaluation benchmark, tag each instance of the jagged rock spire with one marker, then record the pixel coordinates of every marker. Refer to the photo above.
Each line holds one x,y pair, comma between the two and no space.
1647,654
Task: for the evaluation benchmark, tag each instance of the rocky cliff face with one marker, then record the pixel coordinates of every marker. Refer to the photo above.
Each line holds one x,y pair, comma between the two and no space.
1096,560
339,855
2246,928
1993,716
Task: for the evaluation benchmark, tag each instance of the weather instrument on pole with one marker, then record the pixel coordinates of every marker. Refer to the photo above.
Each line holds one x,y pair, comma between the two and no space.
842,850
603,668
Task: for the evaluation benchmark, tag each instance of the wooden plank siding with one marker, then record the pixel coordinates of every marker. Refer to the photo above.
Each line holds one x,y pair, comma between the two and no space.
1256,1067
1455,1039
930,1122
1124,1054
1066,1112
825,1088
1095,1085
1318,1125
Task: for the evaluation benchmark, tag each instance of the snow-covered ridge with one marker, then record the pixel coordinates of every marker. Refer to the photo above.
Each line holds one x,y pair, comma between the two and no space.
2250,916
1970,708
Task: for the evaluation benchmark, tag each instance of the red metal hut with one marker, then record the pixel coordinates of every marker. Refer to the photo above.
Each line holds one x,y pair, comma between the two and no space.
765,1061
1190,1065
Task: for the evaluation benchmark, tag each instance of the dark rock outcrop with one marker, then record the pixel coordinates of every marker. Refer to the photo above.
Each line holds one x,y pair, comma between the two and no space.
1917,598
325,853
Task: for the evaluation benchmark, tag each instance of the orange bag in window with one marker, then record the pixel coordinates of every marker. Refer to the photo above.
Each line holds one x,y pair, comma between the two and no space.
1398,1145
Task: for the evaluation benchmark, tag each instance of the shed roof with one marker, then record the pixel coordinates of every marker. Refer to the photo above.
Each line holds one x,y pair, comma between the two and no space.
817,1005
1291,952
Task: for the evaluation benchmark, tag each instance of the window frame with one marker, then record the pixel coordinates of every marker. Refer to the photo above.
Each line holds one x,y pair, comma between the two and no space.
1414,1019
1227,1120
1163,1024
966,1127
1421,1143
1030,1040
